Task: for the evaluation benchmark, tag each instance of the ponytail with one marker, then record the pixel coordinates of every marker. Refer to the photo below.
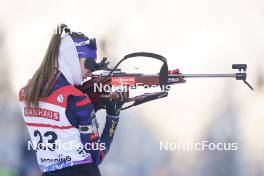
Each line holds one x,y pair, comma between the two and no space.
37,87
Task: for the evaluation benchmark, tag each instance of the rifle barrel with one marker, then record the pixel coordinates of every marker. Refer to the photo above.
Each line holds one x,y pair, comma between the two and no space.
203,75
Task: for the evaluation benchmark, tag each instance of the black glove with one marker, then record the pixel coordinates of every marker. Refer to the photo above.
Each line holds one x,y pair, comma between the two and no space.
113,106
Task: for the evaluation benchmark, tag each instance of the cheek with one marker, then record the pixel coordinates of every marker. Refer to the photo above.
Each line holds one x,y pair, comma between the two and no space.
83,69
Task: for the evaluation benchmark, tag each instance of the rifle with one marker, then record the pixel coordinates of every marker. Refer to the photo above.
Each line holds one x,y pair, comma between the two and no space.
164,79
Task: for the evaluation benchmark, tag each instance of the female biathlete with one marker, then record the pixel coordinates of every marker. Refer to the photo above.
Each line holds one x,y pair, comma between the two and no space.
61,119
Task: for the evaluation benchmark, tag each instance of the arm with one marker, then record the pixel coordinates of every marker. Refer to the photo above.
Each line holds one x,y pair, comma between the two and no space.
83,111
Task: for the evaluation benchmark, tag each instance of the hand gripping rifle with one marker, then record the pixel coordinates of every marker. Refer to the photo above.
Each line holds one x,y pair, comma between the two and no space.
164,79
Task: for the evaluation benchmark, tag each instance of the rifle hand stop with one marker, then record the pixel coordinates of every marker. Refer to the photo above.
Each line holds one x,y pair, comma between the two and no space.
242,75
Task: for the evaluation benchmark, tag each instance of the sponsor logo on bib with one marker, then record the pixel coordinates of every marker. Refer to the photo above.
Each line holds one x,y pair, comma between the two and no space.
60,98
40,112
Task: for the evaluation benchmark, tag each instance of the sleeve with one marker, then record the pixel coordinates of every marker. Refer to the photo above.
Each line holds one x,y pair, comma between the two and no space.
85,119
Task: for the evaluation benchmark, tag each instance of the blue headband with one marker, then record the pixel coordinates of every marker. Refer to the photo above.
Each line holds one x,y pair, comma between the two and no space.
86,48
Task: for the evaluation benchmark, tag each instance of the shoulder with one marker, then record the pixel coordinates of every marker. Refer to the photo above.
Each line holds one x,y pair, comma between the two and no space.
60,97
65,92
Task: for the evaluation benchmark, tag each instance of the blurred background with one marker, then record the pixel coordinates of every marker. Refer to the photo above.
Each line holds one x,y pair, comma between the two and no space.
205,36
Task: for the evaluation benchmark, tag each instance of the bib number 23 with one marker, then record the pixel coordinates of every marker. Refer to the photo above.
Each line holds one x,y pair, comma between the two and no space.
48,136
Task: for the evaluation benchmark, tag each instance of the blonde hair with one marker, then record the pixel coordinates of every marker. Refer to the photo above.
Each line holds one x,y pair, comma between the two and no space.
37,87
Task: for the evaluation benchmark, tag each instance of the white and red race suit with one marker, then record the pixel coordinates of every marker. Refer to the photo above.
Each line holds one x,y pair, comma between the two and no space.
56,141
